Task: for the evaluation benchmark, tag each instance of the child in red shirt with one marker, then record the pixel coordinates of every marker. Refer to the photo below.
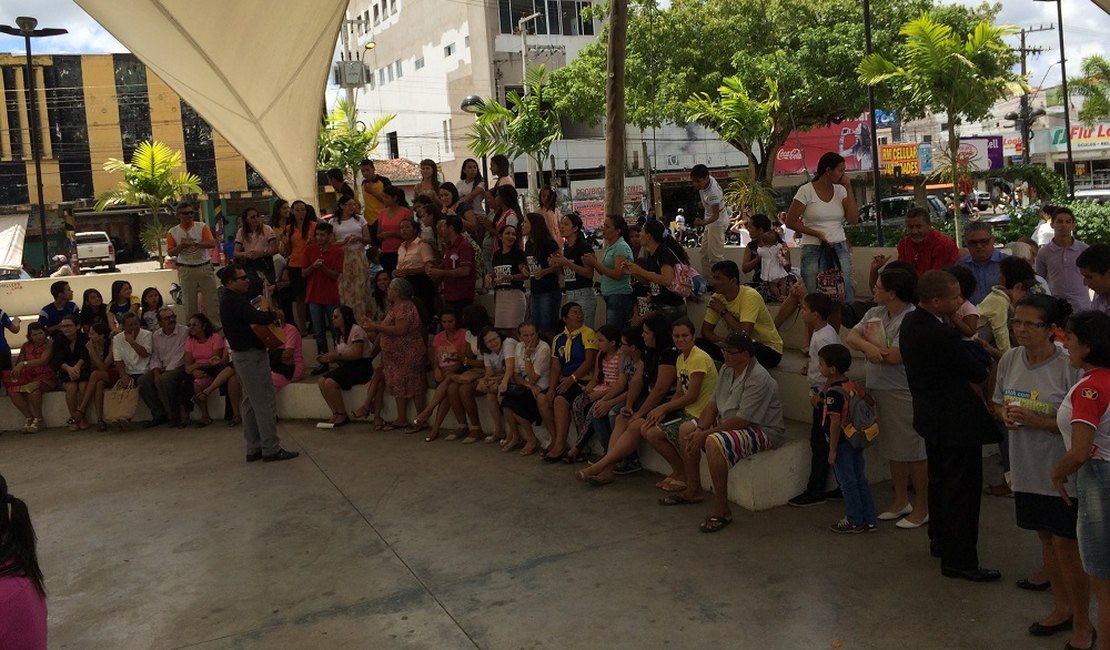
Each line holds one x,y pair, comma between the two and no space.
323,262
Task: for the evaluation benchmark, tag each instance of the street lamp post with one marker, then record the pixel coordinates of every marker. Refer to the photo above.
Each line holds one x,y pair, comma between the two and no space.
26,29
1069,170
473,104
522,26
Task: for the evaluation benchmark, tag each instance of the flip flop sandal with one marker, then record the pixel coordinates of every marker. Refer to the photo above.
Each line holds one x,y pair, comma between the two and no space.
714,524
389,426
674,486
597,481
677,499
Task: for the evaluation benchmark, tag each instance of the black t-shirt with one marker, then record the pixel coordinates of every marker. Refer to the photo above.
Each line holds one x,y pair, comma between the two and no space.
539,259
753,254
508,264
654,358
65,354
661,295
572,280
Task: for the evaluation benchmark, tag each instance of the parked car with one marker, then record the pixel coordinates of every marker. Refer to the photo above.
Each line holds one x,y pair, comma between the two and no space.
896,207
95,249
14,274
982,200
123,253
1098,196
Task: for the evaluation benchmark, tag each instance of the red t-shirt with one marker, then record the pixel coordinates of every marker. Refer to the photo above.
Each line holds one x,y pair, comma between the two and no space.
458,255
319,288
388,223
936,252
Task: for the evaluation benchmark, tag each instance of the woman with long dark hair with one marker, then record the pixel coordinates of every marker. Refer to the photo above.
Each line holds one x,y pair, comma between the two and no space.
123,302
546,293
508,270
32,376
300,231
23,623
657,271
207,361
429,181
103,371
471,185
578,276
255,247
93,311
549,208
352,354
72,363
353,234
395,211
818,213
149,305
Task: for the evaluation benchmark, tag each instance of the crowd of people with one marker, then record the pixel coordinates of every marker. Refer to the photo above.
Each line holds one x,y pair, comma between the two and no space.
958,352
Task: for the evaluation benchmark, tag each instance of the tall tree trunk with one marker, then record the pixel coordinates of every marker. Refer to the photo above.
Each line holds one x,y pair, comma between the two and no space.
614,122
953,152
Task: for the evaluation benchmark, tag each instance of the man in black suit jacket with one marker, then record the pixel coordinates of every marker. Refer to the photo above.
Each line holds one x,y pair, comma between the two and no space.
955,423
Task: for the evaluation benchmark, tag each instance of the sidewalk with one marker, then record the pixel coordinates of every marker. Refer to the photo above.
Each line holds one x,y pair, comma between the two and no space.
168,539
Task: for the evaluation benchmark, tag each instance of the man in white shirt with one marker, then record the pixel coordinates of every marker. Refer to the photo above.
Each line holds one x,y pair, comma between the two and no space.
161,387
131,350
716,220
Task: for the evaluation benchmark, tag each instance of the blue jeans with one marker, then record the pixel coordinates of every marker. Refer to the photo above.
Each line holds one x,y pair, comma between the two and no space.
321,325
587,299
811,266
545,310
618,309
850,473
603,427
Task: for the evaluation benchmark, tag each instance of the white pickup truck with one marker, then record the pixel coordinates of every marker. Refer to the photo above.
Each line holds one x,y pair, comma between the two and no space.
95,249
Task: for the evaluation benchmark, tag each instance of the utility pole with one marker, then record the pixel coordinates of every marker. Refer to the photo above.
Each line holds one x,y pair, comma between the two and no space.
1023,118
614,114
875,167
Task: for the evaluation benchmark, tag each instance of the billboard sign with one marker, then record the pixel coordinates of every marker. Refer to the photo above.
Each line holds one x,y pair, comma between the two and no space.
899,159
982,152
588,198
802,150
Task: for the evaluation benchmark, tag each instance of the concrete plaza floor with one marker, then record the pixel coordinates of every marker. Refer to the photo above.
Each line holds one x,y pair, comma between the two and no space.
167,539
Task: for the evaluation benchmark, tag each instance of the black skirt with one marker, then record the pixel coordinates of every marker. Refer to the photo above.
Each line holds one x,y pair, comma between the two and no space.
522,403
351,373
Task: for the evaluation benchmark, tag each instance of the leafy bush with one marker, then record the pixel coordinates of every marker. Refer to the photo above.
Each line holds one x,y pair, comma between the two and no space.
1092,221
865,235
1023,221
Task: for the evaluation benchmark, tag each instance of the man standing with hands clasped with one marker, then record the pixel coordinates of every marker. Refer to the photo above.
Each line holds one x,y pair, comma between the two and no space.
252,362
192,243
953,420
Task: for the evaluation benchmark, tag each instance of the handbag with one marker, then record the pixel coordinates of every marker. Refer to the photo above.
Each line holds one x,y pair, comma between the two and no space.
684,280
830,277
120,404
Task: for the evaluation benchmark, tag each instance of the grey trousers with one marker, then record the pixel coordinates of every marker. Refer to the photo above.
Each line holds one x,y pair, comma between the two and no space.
258,408
202,278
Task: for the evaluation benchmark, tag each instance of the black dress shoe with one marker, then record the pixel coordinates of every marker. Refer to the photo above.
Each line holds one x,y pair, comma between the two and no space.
1036,629
255,456
281,454
156,422
1094,642
974,575
1029,585
934,549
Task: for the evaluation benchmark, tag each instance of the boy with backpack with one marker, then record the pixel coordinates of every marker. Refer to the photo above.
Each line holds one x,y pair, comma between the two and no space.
849,423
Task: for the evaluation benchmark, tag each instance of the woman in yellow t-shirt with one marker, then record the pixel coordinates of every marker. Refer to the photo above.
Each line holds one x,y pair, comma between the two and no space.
697,377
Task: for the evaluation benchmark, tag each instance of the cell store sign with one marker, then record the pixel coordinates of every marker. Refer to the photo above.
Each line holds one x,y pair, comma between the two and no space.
899,159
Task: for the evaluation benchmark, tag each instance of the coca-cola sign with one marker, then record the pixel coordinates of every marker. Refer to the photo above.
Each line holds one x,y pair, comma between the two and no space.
802,150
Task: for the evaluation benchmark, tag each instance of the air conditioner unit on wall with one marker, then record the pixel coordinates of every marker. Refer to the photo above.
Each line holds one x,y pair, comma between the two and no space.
351,74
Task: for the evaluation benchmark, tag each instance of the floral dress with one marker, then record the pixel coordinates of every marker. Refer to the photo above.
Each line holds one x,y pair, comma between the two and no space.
404,357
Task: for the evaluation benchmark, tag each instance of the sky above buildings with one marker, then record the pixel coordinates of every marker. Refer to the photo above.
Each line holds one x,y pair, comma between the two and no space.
1085,27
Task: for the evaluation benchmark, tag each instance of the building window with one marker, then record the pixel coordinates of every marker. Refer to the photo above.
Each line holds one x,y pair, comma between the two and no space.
574,24
389,72
391,143
381,76
449,50
419,63
393,8
377,15
399,72
447,135
927,139
466,41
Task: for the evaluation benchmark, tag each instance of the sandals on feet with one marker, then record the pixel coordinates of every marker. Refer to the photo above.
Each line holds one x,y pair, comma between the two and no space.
676,499
203,422
714,524
101,425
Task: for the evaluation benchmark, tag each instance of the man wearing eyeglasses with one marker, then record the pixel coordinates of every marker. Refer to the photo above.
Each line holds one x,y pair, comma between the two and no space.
983,259
252,364
160,387
191,243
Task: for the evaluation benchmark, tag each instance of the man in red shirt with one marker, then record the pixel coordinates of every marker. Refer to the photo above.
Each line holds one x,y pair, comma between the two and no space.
323,263
456,272
923,246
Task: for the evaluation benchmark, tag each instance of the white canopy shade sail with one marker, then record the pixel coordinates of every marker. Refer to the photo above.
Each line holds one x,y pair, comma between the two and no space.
256,70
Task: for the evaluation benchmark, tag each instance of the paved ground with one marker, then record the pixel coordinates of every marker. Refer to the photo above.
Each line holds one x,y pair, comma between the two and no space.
167,539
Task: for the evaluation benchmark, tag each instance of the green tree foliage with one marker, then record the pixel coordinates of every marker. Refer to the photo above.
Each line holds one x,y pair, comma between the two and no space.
810,48
527,126
152,180
1094,85
344,141
943,70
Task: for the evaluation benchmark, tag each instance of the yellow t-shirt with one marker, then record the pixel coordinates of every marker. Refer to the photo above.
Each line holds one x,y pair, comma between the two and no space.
748,307
372,207
698,361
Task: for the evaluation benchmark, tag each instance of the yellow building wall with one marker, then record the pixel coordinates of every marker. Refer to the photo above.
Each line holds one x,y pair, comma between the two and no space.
51,182
165,113
102,116
231,168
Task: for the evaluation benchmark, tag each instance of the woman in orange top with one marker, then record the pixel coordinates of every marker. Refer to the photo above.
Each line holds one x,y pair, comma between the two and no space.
389,225
300,230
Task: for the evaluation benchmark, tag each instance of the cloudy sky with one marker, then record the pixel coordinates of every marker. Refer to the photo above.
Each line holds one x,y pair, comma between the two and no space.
1085,28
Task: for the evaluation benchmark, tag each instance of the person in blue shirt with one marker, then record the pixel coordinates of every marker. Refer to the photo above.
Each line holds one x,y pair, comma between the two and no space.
983,260
12,325
52,314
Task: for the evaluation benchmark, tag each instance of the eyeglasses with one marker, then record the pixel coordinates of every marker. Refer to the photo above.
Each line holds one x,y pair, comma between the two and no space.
168,318
978,242
1031,324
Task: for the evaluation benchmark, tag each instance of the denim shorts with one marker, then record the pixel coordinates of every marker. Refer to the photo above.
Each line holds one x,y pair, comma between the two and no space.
1093,489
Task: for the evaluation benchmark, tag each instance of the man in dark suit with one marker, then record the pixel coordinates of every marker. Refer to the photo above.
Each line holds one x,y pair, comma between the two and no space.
954,422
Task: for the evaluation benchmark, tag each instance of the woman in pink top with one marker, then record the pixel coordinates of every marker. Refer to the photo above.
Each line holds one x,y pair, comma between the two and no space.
22,594
389,225
606,374
255,247
448,350
208,362
286,363
413,256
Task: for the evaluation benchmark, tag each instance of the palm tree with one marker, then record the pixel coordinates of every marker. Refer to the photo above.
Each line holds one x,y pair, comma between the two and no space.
527,126
960,75
151,179
344,141
743,122
1095,86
